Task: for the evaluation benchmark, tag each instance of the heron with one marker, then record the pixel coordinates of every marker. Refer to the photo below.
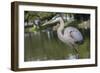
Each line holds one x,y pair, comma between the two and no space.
69,35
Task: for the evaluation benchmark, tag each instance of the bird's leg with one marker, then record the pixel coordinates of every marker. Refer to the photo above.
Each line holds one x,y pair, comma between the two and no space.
77,51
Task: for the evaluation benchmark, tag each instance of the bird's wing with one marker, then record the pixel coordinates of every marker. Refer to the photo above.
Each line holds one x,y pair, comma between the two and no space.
76,35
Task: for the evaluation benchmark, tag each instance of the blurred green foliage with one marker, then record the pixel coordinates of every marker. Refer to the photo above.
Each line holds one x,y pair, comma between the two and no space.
46,16
32,15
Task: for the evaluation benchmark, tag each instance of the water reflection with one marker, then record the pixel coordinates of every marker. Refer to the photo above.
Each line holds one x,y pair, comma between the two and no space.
45,45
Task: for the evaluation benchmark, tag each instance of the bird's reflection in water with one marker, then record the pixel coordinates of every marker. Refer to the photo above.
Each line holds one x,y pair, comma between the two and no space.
70,57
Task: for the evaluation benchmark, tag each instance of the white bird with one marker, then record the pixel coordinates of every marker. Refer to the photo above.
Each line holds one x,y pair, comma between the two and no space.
69,35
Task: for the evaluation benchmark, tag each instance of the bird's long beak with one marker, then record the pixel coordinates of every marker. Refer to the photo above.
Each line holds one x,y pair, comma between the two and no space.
52,21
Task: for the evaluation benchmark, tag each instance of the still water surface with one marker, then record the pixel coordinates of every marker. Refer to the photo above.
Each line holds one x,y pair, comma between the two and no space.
43,45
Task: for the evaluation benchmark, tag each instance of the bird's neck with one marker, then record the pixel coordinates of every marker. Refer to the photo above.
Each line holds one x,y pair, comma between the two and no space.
60,29
61,25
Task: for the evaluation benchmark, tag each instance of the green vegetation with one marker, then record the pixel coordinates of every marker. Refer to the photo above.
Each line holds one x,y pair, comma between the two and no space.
42,43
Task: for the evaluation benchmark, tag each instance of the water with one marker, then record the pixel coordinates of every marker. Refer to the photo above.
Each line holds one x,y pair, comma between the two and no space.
45,45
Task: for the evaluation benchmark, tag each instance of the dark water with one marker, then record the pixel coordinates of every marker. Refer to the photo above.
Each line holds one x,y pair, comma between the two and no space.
43,45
